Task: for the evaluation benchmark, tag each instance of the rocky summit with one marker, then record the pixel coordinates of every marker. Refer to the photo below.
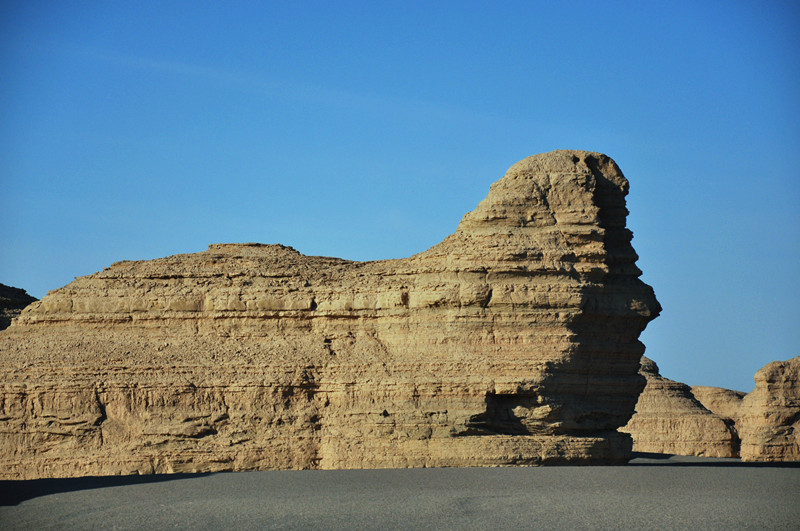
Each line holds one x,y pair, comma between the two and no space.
513,341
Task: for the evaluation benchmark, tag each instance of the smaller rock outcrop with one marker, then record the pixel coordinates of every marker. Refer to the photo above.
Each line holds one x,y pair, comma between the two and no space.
12,302
769,418
720,401
670,420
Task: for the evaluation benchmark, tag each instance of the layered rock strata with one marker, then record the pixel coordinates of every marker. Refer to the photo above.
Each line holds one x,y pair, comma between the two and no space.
670,420
12,301
514,341
769,417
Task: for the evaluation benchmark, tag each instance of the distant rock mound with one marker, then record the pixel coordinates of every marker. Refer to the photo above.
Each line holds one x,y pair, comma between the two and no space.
769,417
514,341
722,402
670,420
12,302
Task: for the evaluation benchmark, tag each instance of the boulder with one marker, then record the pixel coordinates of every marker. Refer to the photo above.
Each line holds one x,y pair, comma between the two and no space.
513,341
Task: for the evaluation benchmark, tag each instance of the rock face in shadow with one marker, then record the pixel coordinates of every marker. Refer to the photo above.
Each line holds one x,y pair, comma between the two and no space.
12,301
670,420
514,341
769,417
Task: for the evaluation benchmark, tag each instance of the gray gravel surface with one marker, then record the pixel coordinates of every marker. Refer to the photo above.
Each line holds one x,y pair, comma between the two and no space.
650,493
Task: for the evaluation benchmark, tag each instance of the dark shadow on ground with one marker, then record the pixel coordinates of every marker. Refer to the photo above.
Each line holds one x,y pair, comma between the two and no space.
14,492
654,459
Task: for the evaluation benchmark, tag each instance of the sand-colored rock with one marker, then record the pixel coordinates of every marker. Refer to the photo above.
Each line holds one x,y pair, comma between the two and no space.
769,417
12,301
720,401
514,341
670,420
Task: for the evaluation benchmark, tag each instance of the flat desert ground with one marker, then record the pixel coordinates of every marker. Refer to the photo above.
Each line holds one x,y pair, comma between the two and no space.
651,492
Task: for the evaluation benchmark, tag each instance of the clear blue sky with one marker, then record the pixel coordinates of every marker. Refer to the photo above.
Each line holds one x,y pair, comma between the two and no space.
135,130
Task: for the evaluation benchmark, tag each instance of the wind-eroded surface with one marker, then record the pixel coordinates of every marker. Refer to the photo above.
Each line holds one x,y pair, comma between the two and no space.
514,341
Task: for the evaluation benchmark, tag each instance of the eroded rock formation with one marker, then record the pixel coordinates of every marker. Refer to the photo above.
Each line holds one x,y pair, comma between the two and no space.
670,420
769,417
12,301
722,402
514,341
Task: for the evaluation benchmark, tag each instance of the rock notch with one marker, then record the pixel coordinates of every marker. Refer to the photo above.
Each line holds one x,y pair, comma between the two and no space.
514,341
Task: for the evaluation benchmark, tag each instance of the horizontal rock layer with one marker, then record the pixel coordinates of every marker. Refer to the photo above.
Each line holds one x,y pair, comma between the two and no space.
514,341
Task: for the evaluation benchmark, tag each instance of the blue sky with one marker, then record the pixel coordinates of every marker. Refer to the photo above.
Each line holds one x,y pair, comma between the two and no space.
135,130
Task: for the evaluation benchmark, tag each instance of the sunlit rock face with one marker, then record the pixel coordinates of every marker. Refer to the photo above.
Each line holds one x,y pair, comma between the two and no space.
669,419
769,417
514,341
722,402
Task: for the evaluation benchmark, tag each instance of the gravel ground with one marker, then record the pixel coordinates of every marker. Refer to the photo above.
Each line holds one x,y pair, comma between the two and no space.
652,492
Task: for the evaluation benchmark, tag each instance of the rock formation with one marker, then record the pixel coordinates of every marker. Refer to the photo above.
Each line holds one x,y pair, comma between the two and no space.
769,417
670,420
12,301
514,341
722,402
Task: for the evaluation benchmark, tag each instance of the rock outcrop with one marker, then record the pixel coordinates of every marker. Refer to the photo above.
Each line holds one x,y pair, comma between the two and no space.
12,301
769,417
670,420
514,341
722,402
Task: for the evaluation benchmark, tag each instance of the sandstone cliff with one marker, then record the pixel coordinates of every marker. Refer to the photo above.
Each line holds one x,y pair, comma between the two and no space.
12,301
670,420
769,417
514,341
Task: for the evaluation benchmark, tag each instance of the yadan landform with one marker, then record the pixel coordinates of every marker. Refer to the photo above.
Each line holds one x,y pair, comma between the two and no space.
514,341
763,425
